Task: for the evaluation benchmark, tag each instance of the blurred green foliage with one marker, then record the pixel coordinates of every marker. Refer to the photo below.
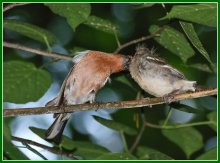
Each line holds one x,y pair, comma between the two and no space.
189,43
31,31
31,83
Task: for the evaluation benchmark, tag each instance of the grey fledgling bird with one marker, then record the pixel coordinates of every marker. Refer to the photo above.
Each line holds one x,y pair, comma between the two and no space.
157,77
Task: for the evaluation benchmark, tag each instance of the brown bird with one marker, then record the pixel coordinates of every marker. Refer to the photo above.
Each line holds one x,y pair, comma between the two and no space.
90,72
156,77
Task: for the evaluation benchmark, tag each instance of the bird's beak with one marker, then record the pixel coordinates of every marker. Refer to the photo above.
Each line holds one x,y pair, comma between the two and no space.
127,62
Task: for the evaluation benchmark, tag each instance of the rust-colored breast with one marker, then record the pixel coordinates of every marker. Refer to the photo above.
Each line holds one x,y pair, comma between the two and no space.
90,74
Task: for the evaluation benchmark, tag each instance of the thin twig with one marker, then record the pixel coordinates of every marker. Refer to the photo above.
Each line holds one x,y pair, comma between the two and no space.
36,51
141,132
55,150
140,39
124,141
107,105
10,6
27,146
175,126
168,116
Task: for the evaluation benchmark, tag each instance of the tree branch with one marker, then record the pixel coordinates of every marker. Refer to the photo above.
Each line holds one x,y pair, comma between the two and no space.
139,39
108,105
55,150
10,6
36,51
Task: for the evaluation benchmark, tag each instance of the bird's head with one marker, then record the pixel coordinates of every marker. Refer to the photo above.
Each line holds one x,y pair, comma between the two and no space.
120,62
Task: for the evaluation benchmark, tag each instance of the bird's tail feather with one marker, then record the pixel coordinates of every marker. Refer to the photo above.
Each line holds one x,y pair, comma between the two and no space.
55,131
189,85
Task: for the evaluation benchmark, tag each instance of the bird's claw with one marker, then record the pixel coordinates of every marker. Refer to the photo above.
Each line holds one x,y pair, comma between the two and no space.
97,106
168,98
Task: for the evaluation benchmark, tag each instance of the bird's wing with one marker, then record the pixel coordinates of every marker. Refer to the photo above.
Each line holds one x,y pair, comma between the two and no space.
59,99
174,71
156,60
162,63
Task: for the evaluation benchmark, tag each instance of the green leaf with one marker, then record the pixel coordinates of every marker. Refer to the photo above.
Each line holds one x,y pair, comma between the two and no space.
100,24
201,67
32,31
125,81
209,155
145,153
10,149
205,13
188,139
116,126
38,131
23,82
75,13
116,156
184,108
193,37
174,41
209,102
84,149
87,150
213,117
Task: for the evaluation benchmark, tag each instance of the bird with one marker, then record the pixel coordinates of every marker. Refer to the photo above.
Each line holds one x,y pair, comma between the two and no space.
157,77
89,73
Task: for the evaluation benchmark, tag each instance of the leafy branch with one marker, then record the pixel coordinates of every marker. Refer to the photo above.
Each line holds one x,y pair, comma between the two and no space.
61,56
107,105
145,124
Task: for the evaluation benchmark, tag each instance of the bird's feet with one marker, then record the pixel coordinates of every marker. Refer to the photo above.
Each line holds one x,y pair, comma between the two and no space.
168,98
97,104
